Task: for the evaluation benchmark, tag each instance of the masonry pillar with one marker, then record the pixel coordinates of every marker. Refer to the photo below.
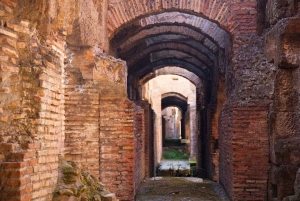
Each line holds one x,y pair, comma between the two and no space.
244,151
244,121
116,122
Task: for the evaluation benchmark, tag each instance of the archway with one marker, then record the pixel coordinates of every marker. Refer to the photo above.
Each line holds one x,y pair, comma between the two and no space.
156,36
173,40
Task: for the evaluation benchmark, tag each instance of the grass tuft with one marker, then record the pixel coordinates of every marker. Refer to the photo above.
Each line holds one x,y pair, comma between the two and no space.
175,154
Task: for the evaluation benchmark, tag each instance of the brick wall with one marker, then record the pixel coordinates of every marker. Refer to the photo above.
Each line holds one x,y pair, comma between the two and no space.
244,152
238,16
116,122
82,121
147,139
139,147
82,114
117,146
226,151
50,120
32,128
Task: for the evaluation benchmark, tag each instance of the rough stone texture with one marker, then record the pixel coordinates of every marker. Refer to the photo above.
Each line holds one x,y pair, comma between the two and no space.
282,47
296,189
139,148
253,80
96,93
74,184
215,137
180,188
279,9
83,22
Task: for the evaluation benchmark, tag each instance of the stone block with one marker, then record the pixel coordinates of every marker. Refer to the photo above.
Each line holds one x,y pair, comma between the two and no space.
282,45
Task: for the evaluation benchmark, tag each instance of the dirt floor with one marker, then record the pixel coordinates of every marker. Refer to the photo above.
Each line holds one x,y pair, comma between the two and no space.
180,189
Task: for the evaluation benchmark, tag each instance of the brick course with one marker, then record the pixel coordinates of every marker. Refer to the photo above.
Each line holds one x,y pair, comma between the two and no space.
244,148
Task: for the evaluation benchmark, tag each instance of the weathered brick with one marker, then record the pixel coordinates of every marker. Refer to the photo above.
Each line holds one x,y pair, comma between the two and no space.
6,68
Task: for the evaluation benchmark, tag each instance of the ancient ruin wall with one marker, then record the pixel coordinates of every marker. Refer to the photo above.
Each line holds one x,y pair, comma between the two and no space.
226,149
82,111
139,147
244,142
32,127
117,140
282,48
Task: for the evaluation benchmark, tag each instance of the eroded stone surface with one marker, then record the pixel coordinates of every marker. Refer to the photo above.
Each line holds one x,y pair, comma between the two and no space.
74,184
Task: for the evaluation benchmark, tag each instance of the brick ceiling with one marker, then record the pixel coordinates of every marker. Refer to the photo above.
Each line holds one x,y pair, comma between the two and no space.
192,35
170,39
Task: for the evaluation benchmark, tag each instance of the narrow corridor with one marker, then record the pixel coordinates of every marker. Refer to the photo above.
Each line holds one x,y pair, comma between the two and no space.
180,189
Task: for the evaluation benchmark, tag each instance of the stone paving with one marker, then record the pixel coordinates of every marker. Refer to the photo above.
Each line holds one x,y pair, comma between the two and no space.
180,189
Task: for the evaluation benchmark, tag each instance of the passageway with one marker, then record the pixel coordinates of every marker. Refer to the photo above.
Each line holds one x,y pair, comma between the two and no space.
78,83
172,44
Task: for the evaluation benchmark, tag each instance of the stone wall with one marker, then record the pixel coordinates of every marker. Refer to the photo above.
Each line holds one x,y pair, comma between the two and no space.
96,101
173,117
244,132
282,46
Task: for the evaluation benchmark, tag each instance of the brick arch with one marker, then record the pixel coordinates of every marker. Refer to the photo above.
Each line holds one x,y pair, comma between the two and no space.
205,26
189,71
174,99
216,35
228,14
167,53
182,47
172,70
141,71
174,94
193,39
136,35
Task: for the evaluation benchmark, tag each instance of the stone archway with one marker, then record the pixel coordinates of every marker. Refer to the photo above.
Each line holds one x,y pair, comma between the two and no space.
61,95
155,43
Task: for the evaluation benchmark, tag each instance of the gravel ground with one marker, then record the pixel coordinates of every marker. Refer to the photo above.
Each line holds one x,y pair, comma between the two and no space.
180,189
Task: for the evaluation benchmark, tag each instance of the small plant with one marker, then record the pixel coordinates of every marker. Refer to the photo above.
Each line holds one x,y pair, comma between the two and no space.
175,154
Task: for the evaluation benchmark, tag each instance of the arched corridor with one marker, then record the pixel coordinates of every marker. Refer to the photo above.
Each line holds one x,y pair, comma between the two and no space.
174,42
104,86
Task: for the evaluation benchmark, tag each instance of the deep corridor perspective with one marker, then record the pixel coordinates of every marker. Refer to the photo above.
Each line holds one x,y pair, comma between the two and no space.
84,85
